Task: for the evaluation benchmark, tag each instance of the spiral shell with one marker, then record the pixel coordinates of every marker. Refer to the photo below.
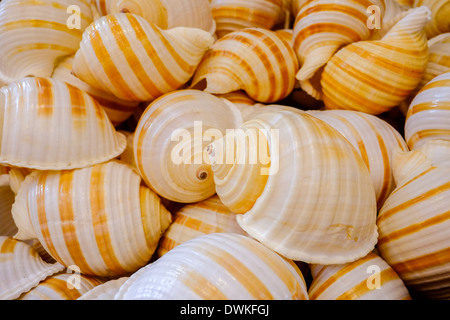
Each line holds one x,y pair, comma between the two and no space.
428,117
257,61
195,220
226,267
374,139
135,60
321,28
440,12
117,110
168,14
380,74
312,200
99,218
50,125
369,278
180,125
438,63
63,286
235,15
21,268
33,34
415,219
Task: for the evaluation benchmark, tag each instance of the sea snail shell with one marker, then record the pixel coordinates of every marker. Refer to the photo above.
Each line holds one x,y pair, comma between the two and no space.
100,218
34,34
379,74
312,200
135,60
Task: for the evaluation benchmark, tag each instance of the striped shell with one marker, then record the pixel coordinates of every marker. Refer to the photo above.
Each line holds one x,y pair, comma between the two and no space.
101,218
117,110
33,34
235,15
428,116
379,74
257,61
105,291
135,60
438,63
440,12
369,278
180,125
217,266
197,219
168,14
293,169
415,219
321,28
374,139
21,268
63,286
51,125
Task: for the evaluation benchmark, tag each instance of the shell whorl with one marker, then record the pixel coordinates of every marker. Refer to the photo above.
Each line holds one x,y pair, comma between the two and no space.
135,60
381,74
34,34
428,117
180,170
321,28
255,60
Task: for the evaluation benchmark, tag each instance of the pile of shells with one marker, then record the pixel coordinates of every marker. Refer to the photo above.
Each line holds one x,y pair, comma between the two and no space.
224,149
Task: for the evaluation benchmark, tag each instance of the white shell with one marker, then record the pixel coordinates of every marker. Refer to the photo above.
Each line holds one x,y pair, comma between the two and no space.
63,286
180,125
217,266
99,218
428,117
34,34
50,125
308,196
368,278
105,291
414,221
21,268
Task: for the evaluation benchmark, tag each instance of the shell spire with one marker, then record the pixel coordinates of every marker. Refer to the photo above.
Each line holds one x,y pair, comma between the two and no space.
381,74
151,62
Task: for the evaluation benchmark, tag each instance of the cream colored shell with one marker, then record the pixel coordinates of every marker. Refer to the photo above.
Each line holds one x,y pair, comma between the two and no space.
428,117
133,59
33,34
303,189
105,291
414,221
63,286
168,14
220,266
50,125
235,15
368,278
170,141
380,74
197,219
21,268
374,139
254,60
117,110
101,218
